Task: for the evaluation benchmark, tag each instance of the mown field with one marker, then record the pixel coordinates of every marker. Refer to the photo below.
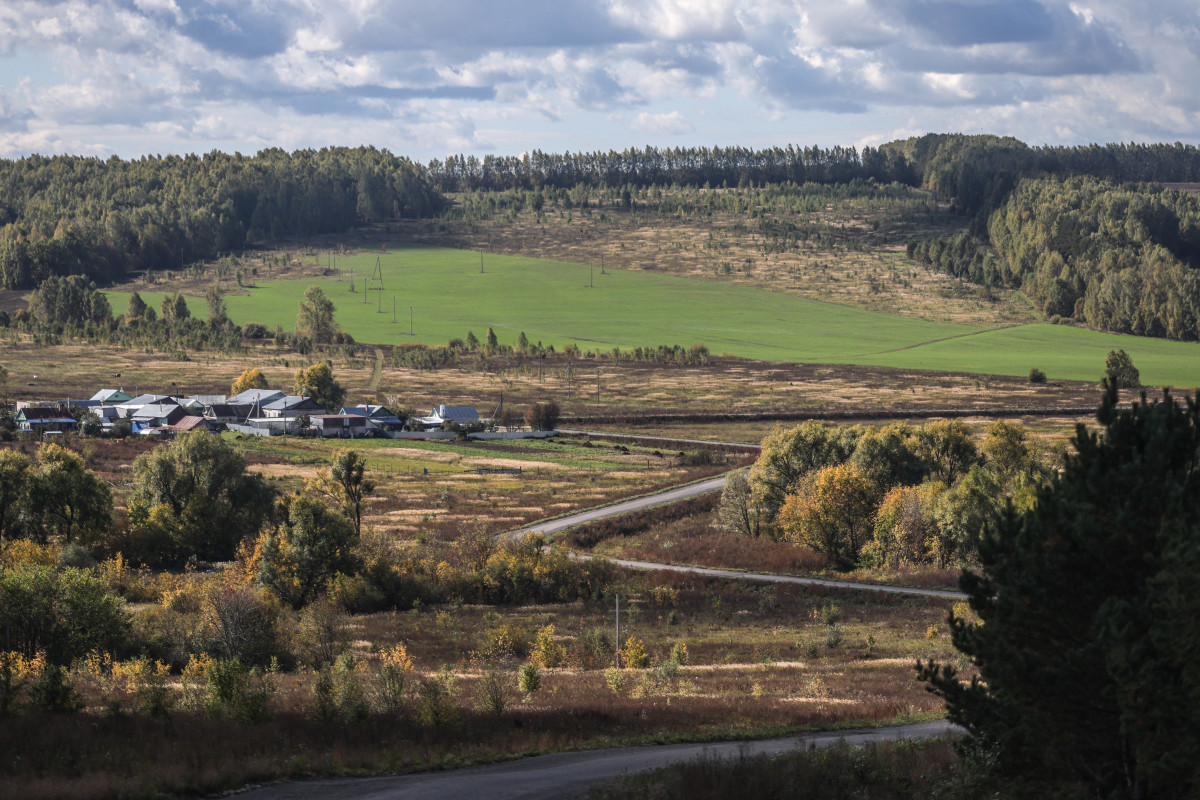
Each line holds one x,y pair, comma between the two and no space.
559,302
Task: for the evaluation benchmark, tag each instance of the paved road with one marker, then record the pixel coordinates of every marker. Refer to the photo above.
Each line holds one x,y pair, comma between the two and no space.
637,437
637,504
767,577
565,775
691,490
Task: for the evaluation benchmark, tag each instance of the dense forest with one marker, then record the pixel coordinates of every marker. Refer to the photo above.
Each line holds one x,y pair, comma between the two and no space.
1116,256
1079,229
70,215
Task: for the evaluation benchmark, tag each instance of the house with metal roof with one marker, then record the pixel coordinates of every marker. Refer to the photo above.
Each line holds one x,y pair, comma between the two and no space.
255,397
158,415
290,407
462,415
41,420
379,416
110,397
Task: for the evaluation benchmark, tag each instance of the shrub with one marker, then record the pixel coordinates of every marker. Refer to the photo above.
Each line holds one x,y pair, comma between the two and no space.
615,679
435,697
391,679
52,691
679,652
529,680
240,693
1037,376
546,652
489,694
634,655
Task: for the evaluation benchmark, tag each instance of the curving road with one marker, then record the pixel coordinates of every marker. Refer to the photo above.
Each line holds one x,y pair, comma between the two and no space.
691,490
769,577
569,774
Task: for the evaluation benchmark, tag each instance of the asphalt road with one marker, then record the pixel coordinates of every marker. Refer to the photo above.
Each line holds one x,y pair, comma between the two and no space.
637,437
767,577
637,504
691,490
565,775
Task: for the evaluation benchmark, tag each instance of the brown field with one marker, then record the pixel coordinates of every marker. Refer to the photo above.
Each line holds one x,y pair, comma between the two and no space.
628,390
759,662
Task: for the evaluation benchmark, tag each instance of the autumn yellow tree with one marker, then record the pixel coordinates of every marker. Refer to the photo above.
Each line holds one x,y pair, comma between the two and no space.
250,379
833,512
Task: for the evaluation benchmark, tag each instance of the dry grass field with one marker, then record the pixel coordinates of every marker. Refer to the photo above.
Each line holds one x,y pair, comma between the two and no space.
628,391
759,662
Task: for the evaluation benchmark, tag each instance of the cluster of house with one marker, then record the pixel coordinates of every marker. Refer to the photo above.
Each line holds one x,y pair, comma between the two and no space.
264,412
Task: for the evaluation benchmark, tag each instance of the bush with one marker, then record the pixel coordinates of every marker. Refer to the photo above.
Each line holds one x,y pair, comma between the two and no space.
634,655
529,679
237,692
546,652
435,697
489,694
1037,376
391,679
52,691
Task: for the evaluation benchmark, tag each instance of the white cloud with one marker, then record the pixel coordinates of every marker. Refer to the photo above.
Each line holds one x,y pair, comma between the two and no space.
159,75
669,124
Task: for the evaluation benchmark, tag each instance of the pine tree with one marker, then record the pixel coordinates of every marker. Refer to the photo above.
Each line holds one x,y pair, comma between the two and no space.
1089,605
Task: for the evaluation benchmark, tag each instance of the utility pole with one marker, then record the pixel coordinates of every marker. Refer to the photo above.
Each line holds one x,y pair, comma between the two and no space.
617,646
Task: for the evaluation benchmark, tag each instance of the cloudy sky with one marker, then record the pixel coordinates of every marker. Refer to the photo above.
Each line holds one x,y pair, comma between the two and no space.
426,79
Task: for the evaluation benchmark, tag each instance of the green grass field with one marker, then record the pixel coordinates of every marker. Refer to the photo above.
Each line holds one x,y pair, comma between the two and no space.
552,301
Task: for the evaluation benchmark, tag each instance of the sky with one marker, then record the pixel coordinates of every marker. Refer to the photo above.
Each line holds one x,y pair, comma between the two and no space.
430,79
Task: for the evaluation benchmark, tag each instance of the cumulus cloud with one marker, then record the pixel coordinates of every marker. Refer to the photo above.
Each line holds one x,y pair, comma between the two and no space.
430,78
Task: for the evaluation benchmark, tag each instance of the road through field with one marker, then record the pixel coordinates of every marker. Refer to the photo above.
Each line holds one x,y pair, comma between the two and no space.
692,490
624,507
569,774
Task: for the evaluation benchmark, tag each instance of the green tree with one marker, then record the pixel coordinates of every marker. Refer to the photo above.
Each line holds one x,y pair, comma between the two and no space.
315,316
218,315
788,455
946,448
738,512
249,379
312,544
1119,369
15,472
833,512
1088,604
472,341
198,490
888,456
137,308
175,308
346,482
64,613
318,383
67,498
491,343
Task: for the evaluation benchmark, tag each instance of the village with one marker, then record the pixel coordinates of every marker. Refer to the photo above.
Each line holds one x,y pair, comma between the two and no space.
257,412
